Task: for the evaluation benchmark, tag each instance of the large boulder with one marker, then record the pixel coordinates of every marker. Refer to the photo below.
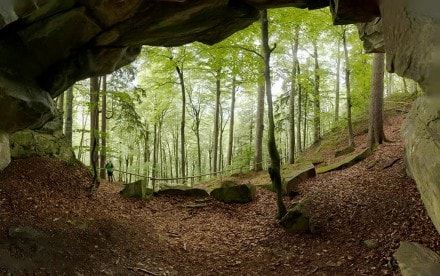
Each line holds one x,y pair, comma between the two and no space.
137,189
415,259
297,219
183,191
231,192
421,134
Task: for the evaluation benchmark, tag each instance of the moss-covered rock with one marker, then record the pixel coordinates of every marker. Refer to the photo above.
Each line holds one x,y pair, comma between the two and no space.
297,219
183,191
5,154
137,189
344,151
235,193
347,162
48,141
294,174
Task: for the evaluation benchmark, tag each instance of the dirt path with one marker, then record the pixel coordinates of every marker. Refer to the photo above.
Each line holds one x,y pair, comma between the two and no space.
70,232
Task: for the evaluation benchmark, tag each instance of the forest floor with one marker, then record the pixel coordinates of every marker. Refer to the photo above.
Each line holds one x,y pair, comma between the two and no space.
50,225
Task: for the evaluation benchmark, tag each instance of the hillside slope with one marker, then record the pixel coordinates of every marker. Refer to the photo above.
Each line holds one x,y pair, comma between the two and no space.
51,225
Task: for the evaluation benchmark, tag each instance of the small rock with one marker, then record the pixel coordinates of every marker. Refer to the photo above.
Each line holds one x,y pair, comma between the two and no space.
371,244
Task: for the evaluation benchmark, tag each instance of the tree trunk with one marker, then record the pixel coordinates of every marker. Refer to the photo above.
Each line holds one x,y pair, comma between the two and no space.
81,141
405,86
231,123
347,84
199,151
259,128
68,124
216,123
154,162
299,113
390,84
94,128
275,168
292,98
338,81
182,123
375,127
60,108
316,98
103,126
305,120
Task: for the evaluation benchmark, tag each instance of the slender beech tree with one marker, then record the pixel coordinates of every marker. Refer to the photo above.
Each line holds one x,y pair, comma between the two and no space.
293,84
299,111
216,121
259,127
338,81
231,122
182,121
60,107
316,96
94,129
275,169
347,85
69,116
103,126
375,127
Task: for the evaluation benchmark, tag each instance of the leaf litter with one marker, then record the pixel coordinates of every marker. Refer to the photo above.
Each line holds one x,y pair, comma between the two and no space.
104,234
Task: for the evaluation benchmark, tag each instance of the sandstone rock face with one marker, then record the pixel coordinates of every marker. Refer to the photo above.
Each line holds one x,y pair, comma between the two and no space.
421,133
48,141
5,154
47,45
416,259
411,30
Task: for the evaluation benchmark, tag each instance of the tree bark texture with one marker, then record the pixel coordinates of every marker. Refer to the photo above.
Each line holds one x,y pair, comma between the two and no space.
69,116
275,169
375,127
293,84
231,123
347,85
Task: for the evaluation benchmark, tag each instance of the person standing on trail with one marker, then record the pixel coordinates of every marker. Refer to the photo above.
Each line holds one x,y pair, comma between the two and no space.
109,168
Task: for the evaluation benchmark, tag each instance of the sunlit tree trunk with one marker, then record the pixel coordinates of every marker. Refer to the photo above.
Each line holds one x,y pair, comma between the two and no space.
306,101
275,169
347,85
182,123
216,123
259,128
375,127
316,97
231,123
338,81
292,98
298,122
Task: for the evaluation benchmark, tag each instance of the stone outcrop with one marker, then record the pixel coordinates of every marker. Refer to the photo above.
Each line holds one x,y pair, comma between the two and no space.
47,45
421,134
48,141
5,153
347,162
416,259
